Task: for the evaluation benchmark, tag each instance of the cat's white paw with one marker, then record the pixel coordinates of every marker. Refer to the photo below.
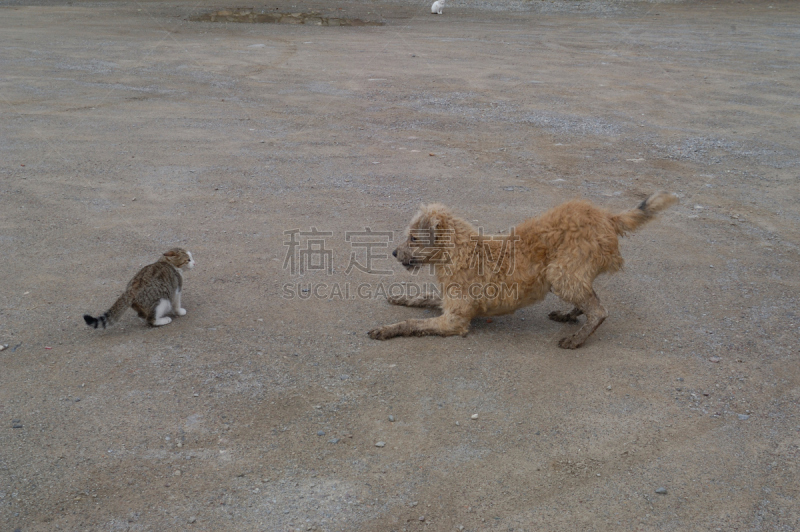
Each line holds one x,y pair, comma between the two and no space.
181,312
162,321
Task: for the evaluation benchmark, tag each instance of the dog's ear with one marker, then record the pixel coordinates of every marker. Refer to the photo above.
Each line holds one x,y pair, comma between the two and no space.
434,221
437,216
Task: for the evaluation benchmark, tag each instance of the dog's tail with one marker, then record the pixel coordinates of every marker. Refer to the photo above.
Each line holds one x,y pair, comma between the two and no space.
631,220
111,315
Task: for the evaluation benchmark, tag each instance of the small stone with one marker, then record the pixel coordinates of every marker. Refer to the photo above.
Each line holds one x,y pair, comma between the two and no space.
458,424
196,395
320,433
177,473
608,387
743,417
3,346
16,426
422,518
661,491
474,416
714,359
380,444
192,520
391,418
333,440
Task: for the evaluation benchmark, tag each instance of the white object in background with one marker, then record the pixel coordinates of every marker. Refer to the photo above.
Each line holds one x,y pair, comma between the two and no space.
436,8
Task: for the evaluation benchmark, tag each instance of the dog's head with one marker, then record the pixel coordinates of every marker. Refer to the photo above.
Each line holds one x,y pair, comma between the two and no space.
428,238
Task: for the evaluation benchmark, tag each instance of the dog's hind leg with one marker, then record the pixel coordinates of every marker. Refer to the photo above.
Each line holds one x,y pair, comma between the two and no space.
595,315
566,317
444,325
422,300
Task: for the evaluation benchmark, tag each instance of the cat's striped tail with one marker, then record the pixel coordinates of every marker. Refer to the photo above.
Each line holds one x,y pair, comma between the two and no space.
111,315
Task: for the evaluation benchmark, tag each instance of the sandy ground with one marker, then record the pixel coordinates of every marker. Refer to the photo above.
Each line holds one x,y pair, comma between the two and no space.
127,129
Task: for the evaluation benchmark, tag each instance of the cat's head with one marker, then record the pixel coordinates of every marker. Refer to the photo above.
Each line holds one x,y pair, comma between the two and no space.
180,258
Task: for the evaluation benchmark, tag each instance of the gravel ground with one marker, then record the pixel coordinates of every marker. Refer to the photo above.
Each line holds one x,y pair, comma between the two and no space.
127,129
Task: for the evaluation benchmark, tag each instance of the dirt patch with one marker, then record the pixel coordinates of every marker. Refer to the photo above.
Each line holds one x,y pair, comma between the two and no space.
127,130
263,16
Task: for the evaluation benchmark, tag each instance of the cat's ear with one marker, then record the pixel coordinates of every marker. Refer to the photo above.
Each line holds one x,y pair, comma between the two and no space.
170,253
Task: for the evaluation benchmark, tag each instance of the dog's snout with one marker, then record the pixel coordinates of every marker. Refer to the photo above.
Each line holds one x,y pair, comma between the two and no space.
394,253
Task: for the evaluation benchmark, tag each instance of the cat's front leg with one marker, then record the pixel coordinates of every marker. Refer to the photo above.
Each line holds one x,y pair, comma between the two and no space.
176,304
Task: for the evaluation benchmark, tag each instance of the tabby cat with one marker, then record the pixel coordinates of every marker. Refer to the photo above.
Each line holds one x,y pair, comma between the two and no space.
153,292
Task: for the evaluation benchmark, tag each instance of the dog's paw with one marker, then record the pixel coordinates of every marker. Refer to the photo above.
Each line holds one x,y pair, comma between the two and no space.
569,343
562,317
380,333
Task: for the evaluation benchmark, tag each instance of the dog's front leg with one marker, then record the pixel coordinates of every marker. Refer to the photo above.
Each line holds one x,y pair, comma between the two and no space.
422,301
444,325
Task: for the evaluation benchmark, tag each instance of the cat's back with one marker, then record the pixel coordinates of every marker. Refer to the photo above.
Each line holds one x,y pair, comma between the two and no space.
159,276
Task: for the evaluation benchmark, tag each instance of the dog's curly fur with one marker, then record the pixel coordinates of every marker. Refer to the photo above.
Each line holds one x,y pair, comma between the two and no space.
562,251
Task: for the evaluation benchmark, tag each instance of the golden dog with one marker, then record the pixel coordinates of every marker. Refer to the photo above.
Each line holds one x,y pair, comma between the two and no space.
562,251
